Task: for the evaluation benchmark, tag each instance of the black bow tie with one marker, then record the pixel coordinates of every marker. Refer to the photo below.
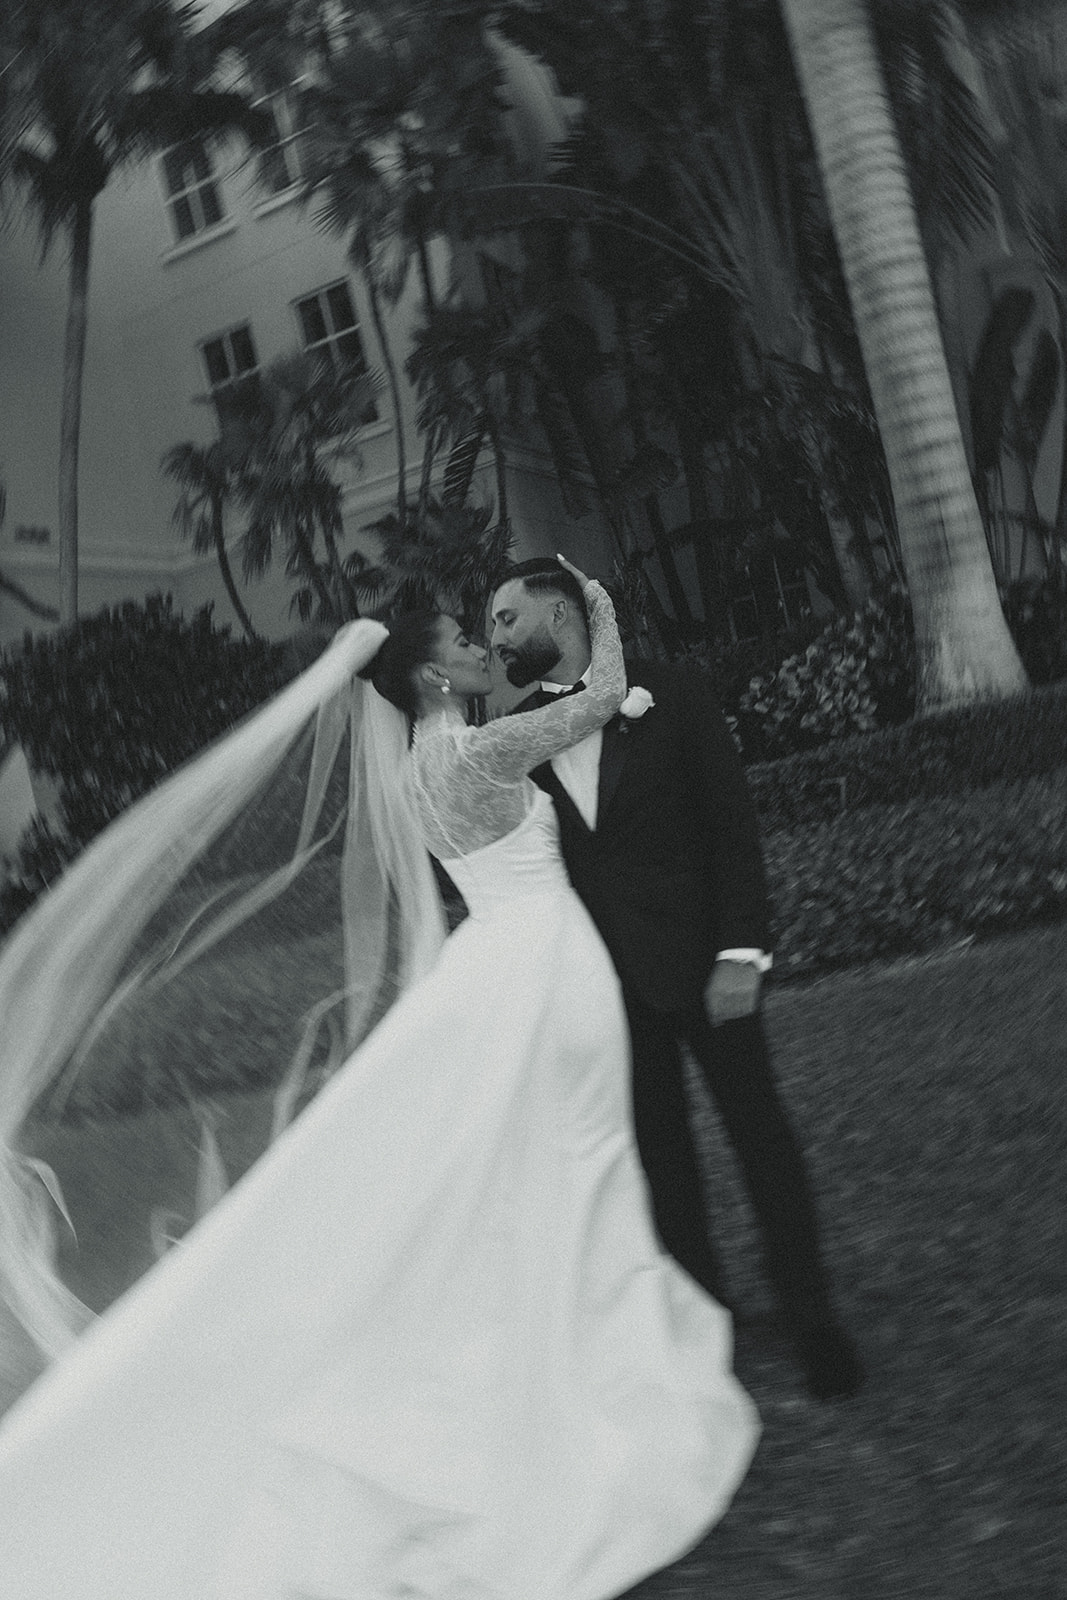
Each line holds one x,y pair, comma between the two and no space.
561,694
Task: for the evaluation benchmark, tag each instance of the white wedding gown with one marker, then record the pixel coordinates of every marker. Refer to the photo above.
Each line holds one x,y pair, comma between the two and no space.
428,1347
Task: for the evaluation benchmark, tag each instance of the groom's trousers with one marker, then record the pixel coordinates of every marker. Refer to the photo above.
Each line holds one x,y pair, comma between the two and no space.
735,1064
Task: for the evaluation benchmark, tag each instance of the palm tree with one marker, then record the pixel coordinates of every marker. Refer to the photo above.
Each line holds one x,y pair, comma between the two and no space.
696,117
448,555
1024,104
205,476
964,648
88,87
284,435
400,114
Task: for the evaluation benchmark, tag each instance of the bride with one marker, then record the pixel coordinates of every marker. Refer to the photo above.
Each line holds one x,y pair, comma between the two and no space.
428,1346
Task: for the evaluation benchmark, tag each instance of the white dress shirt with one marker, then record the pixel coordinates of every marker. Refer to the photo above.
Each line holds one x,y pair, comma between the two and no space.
578,770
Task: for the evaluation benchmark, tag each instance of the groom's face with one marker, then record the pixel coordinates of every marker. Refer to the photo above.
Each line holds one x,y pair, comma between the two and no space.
524,635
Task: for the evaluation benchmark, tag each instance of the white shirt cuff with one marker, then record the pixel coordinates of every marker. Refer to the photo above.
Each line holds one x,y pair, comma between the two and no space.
758,958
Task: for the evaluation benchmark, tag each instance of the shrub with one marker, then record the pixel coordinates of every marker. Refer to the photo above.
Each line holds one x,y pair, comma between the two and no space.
1036,611
895,879
856,675
733,665
112,705
968,748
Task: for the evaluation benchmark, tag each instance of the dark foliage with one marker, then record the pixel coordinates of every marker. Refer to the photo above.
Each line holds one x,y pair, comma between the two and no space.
970,748
1036,609
857,674
111,706
896,879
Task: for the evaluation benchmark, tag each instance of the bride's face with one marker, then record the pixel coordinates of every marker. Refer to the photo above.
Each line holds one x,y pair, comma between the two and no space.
465,665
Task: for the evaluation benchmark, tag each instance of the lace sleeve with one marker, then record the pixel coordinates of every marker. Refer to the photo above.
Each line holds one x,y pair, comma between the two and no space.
505,750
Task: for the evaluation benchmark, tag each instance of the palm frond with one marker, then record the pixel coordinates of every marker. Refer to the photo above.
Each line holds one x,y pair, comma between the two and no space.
459,468
567,450
161,115
649,470
992,375
1039,395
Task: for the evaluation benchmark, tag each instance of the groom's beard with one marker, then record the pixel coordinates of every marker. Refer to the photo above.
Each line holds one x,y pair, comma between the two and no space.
529,662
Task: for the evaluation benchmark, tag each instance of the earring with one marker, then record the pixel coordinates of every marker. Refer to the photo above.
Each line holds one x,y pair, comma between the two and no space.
446,687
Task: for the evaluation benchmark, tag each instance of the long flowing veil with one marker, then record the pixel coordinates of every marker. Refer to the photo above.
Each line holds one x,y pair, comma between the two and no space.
193,977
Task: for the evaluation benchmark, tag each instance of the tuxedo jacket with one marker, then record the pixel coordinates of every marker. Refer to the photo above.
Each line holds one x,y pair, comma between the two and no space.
673,871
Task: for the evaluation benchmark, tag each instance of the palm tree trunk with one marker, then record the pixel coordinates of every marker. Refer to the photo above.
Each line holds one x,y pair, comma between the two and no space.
70,418
1059,532
500,464
422,253
841,579
431,440
375,301
712,595
345,594
683,615
964,648
223,559
304,553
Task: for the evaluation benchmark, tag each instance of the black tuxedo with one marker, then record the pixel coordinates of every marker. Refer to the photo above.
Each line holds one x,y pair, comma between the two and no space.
671,874
673,871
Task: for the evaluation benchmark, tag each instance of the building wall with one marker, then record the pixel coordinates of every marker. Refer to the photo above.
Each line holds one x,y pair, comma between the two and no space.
153,301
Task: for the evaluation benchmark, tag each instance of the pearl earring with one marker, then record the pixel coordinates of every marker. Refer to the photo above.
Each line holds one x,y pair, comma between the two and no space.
446,687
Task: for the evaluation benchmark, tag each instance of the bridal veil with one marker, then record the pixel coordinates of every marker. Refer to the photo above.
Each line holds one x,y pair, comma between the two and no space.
221,947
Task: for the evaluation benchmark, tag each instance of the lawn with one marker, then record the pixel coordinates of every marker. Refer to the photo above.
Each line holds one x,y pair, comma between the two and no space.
930,1096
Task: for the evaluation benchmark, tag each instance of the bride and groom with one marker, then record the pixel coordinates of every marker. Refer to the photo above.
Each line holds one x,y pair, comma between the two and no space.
430,1344
660,840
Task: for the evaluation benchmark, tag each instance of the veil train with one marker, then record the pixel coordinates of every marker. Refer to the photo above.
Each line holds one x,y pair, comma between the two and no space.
153,971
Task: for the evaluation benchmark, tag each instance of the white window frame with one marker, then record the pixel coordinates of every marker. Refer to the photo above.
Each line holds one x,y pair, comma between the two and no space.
191,194
219,390
330,344
282,106
793,597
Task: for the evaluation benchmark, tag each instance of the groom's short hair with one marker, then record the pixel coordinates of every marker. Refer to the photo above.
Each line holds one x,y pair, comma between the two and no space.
542,575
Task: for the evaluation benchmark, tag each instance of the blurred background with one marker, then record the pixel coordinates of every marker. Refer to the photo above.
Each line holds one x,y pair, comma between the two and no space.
311,309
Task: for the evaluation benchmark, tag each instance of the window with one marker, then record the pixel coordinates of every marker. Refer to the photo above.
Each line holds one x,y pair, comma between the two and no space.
232,368
772,592
330,331
281,164
192,193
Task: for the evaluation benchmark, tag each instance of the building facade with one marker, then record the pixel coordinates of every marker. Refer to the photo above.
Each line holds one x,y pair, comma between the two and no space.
207,265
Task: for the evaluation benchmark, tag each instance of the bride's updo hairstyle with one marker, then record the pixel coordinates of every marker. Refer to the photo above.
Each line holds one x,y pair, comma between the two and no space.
413,640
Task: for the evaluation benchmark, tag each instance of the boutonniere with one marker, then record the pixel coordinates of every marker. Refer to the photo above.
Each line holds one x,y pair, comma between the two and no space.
637,702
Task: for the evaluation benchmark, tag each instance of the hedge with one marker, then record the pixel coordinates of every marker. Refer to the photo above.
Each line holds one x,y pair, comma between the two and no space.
894,879
955,752
110,706
876,845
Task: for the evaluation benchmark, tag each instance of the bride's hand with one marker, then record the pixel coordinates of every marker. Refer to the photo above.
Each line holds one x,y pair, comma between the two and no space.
574,571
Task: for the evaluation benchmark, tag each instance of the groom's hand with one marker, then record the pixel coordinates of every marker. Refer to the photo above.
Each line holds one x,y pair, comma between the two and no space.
732,991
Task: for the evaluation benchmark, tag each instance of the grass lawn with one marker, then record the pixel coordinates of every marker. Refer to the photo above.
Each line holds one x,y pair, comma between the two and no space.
930,1097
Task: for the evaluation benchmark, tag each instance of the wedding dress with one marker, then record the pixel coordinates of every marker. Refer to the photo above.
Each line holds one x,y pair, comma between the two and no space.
428,1347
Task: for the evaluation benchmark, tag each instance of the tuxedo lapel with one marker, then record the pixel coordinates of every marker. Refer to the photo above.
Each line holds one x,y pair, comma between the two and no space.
548,780
612,761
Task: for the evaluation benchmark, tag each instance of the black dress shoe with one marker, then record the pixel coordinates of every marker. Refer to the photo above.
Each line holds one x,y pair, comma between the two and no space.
832,1367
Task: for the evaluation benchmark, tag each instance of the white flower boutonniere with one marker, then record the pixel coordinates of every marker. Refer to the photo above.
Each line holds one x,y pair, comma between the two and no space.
637,702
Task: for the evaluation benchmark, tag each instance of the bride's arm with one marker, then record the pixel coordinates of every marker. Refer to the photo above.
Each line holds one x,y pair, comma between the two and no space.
507,749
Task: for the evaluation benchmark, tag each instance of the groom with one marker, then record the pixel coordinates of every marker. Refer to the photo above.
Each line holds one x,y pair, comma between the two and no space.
660,839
